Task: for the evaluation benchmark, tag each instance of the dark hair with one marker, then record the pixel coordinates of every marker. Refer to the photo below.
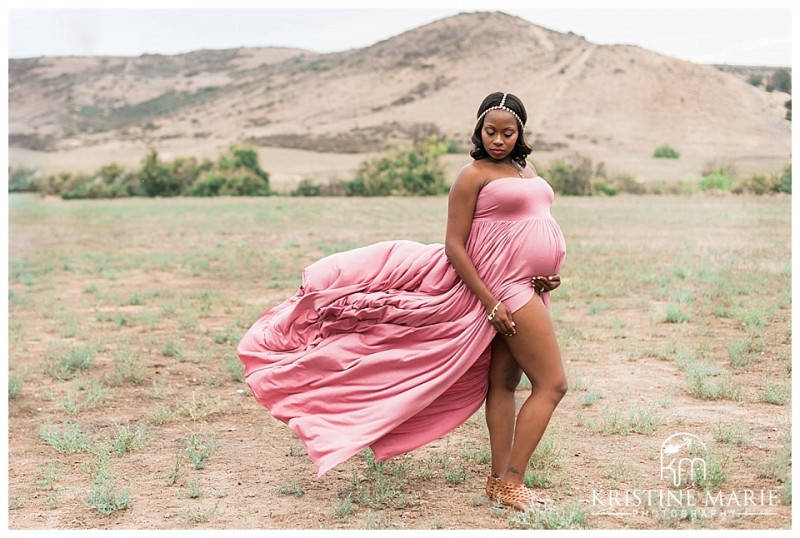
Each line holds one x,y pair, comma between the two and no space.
521,149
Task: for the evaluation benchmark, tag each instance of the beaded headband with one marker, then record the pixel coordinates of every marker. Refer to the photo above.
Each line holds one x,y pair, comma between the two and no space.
501,106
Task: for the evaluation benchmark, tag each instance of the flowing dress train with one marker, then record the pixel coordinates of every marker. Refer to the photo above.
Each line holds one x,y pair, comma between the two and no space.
384,346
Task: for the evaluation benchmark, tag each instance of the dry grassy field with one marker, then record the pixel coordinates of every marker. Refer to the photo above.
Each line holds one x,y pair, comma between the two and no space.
127,408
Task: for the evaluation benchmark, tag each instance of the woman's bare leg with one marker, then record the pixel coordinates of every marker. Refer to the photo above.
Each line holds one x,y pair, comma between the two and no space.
504,376
535,350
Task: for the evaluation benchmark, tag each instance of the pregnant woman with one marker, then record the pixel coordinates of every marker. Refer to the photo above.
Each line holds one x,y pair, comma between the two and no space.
393,345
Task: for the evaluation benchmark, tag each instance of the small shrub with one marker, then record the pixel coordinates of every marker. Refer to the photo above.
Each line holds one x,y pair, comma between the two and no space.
102,184
662,186
734,433
52,184
172,349
344,509
209,184
675,315
62,365
235,182
290,488
726,168
756,184
568,517
665,152
70,441
701,387
403,172
717,181
590,397
239,157
755,79
781,80
457,475
156,178
628,183
785,184
23,179
14,386
106,497
382,484
775,393
244,182
187,170
600,186
307,187
235,368
199,448
716,473
571,175
128,368
203,408
200,515
127,440
194,489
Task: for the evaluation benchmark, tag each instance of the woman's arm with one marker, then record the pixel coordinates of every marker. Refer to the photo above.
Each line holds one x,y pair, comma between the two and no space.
460,211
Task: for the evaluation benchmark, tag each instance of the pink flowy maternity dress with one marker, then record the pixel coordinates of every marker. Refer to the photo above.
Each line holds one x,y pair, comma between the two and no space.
384,346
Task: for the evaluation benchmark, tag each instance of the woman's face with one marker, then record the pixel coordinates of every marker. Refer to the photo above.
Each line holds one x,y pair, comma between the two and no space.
499,134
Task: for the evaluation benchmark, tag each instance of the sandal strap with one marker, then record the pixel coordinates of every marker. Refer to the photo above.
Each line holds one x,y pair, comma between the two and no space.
491,487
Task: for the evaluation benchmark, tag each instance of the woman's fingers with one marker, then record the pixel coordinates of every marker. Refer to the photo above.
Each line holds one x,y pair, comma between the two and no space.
505,324
502,321
545,283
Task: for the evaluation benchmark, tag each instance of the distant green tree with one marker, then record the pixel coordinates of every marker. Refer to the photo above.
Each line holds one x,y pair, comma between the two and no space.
718,180
785,184
233,182
756,79
186,170
571,175
243,157
109,181
157,178
307,187
208,184
23,179
403,172
781,80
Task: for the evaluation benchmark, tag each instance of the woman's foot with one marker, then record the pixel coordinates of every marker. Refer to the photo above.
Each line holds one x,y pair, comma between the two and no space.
516,496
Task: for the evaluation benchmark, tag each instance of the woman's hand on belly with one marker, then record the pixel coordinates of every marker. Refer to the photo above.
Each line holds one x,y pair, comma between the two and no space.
545,283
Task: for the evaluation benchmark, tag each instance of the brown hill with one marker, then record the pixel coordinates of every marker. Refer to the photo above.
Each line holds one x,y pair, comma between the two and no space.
614,103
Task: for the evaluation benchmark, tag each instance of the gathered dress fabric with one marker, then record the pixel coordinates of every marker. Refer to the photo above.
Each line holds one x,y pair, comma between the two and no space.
384,346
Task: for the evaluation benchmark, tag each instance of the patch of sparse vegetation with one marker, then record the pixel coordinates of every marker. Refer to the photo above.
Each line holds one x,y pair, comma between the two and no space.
665,152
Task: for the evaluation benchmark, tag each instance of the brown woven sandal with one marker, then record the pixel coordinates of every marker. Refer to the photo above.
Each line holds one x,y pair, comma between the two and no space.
491,487
516,496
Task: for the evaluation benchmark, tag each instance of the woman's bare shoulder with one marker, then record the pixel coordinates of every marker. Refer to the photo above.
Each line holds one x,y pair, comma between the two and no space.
472,176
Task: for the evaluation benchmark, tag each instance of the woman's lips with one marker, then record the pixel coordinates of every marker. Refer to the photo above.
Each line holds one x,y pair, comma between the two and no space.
497,151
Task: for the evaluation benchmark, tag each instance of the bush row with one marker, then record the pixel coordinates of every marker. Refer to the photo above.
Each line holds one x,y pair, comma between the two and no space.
575,175
414,171
235,173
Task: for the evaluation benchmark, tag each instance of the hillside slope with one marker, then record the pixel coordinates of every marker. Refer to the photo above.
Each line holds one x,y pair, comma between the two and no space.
607,101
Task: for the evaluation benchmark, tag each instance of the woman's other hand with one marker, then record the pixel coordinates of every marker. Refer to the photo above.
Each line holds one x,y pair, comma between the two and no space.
545,283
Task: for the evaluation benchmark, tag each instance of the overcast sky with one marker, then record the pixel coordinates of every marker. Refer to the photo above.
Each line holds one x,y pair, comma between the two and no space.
739,35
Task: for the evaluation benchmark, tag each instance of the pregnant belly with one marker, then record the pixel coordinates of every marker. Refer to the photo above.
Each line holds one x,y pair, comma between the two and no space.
540,251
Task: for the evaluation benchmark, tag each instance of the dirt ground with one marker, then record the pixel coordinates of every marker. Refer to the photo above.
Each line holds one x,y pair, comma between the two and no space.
662,329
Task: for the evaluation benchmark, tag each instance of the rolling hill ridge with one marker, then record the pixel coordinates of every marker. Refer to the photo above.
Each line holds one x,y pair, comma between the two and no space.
612,102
